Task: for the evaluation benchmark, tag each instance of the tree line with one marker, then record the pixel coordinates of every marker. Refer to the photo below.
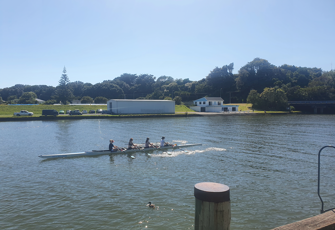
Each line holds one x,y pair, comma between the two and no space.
258,82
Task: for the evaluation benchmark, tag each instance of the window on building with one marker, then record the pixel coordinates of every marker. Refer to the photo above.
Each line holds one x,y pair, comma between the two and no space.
195,103
219,103
209,103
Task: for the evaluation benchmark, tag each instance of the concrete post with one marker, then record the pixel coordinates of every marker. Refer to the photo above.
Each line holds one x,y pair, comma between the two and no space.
212,206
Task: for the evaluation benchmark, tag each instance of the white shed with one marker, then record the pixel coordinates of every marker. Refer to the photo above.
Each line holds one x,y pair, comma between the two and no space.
129,106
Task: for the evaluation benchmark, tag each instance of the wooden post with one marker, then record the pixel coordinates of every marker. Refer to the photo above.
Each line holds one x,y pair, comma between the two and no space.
212,206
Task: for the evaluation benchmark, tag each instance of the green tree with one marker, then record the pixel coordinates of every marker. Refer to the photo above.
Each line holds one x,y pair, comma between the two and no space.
296,93
269,99
162,82
12,99
100,100
221,80
273,99
86,100
178,100
143,85
50,102
256,75
63,92
77,88
64,79
254,99
105,89
128,78
28,98
157,94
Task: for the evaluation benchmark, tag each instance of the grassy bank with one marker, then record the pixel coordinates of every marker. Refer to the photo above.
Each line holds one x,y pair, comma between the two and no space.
182,109
248,107
242,106
8,110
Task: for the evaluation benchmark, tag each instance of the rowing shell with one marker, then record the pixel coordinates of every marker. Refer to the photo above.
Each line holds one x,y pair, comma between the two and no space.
107,152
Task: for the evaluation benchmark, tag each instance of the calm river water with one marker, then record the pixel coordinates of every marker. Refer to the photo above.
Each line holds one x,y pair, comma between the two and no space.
268,161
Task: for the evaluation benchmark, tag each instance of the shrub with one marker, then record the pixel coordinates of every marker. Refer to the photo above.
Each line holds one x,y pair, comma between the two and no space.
86,100
50,102
100,100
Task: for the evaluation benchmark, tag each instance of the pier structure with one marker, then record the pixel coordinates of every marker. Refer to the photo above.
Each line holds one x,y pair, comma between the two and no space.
212,206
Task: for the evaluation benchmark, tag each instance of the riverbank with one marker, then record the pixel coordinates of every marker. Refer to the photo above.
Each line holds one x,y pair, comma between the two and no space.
6,112
9,110
105,116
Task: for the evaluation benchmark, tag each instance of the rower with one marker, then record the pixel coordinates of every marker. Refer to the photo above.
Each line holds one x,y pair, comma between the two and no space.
131,144
148,144
112,148
163,143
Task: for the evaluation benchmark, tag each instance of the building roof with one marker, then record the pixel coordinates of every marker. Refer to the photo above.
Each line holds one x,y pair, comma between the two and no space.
210,99
213,98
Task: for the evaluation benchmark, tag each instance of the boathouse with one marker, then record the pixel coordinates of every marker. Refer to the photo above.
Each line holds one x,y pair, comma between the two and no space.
212,104
135,106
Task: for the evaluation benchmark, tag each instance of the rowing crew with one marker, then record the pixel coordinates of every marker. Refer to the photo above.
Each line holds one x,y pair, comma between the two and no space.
131,145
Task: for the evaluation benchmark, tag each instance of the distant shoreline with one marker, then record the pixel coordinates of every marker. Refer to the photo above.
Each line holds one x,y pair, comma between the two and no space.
68,117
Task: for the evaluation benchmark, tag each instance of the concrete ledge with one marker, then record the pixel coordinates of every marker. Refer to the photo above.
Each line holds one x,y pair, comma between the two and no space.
325,221
103,116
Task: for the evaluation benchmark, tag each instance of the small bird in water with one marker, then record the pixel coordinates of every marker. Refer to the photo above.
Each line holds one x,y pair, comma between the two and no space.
151,205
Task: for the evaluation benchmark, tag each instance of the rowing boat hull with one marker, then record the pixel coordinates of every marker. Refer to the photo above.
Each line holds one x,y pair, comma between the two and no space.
107,152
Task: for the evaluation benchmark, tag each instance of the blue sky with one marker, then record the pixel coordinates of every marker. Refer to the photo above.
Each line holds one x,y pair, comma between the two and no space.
101,39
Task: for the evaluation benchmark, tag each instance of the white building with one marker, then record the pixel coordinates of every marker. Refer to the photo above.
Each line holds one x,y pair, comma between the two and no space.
128,106
212,104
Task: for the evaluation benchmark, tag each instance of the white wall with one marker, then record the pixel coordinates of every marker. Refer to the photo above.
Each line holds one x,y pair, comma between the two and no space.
214,109
141,106
230,108
196,108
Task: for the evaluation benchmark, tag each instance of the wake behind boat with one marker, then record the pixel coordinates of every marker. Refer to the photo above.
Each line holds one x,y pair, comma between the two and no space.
107,152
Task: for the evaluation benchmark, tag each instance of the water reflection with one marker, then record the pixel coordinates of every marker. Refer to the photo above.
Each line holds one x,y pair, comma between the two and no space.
64,134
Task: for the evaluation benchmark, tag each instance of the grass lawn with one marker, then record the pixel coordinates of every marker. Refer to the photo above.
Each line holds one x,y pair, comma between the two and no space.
248,107
242,106
182,109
